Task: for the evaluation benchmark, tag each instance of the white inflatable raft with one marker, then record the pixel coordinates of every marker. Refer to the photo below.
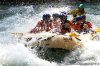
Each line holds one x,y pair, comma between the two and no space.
50,40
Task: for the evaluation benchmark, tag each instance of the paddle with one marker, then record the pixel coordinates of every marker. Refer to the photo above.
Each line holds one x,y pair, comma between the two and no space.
18,34
97,29
72,34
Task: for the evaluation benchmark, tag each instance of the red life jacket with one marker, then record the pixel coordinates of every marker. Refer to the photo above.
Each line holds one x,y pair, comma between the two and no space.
89,24
48,27
78,27
63,31
71,23
65,28
41,26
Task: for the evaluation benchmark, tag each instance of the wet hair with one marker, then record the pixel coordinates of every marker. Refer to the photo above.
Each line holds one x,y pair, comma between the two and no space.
46,16
55,15
63,17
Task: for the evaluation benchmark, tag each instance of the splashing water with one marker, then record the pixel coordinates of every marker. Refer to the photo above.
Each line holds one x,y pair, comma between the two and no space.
23,19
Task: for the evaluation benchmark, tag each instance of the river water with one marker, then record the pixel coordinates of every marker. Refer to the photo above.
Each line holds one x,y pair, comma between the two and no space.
24,18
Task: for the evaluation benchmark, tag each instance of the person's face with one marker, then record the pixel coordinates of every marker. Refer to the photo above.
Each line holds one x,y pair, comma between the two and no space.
47,20
83,20
79,21
56,18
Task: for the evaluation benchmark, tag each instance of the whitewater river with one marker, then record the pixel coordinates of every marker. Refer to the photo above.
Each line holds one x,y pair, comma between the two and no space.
23,19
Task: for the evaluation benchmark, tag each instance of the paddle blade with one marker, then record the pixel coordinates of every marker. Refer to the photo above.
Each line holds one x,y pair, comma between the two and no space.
17,33
73,34
97,29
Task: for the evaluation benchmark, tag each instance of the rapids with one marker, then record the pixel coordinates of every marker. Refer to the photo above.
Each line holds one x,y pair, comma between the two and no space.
24,18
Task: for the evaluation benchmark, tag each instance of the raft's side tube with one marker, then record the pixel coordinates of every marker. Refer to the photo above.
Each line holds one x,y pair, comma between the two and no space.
58,41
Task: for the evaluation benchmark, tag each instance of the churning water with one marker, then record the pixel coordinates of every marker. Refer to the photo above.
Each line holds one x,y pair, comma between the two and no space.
23,19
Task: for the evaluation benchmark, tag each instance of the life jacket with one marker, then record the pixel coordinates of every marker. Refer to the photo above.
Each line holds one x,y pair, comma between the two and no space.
48,27
41,26
78,27
71,24
77,12
65,28
55,23
81,12
36,29
56,26
89,24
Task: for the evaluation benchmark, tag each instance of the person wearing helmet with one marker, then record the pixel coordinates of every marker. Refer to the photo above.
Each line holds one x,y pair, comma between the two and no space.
46,18
81,10
65,24
81,6
77,12
56,23
78,25
43,25
86,26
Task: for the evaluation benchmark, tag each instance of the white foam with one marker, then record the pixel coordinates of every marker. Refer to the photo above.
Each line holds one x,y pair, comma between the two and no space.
18,55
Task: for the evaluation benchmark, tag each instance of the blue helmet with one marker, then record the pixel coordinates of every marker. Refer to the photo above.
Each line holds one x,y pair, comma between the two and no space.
78,18
55,15
83,17
46,16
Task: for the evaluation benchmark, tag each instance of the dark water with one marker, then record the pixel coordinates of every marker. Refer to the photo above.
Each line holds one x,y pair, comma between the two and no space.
23,19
